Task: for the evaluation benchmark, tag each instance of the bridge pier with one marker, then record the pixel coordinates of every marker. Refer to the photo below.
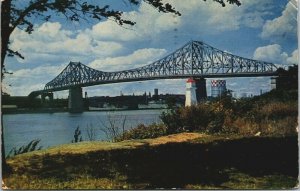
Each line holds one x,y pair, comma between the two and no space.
201,93
75,103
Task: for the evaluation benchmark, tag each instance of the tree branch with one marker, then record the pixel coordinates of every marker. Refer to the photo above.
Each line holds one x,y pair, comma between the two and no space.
12,53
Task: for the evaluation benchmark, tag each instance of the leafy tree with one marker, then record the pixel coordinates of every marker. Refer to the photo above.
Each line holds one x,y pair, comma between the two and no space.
13,16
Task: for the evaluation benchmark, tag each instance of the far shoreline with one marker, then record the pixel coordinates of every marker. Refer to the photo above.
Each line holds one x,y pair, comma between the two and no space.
61,110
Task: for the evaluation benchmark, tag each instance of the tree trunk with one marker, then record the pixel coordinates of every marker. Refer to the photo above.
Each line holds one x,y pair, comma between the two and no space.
5,30
5,33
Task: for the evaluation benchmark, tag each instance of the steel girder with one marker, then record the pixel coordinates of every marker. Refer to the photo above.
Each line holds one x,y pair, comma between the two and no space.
195,59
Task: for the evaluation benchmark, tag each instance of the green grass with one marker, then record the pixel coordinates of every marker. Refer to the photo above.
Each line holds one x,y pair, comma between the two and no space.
205,162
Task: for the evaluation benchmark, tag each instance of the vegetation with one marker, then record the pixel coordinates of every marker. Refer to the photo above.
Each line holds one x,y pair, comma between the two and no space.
274,113
77,137
144,132
91,133
159,163
114,127
31,146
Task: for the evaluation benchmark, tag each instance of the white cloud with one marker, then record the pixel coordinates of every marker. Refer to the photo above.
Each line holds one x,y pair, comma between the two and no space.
50,38
197,15
282,27
138,58
149,22
24,81
294,59
217,19
274,53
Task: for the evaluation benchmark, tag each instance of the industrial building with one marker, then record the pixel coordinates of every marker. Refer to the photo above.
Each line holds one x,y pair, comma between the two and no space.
218,87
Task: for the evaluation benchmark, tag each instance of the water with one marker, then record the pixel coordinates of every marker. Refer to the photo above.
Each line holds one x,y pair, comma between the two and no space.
58,128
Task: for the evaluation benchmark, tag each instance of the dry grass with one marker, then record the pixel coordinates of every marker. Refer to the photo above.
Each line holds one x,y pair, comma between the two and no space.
93,146
176,138
200,162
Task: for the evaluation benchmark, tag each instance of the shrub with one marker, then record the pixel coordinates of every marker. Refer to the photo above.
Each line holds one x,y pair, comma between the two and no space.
144,132
172,121
196,118
202,117
245,126
278,110
31,146
281,127
216,124
114,127
77,133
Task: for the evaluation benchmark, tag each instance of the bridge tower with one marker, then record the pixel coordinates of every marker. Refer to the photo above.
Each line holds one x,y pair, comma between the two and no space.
75,103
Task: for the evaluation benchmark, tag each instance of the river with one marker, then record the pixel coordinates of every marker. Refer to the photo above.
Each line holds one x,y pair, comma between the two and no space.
58,128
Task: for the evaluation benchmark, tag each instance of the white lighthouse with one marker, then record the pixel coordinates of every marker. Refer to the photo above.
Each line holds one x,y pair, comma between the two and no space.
190,94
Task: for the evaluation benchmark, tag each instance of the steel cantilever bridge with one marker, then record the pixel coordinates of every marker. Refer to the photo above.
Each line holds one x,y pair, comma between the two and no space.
195,59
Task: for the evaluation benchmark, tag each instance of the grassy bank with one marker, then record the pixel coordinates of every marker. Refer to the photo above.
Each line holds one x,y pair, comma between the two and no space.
185,160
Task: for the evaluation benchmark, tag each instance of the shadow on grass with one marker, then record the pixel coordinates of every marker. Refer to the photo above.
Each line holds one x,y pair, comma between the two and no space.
176,164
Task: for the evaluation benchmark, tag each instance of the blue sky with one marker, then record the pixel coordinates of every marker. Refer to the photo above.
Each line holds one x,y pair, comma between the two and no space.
264,30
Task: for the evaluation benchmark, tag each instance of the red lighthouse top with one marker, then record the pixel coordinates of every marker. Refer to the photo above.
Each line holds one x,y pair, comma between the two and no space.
190,80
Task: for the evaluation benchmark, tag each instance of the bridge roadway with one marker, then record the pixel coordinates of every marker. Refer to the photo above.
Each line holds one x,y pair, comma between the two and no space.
195,59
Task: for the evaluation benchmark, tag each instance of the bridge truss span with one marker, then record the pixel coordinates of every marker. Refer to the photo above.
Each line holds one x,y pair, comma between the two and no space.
194,59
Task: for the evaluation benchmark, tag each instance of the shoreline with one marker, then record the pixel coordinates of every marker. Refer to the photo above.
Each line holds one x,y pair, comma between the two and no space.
59,110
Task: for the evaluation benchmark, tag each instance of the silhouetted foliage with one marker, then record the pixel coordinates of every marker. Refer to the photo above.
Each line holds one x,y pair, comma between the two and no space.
77,133
287,79
31,146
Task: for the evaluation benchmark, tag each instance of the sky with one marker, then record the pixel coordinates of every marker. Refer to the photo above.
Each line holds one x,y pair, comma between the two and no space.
263,30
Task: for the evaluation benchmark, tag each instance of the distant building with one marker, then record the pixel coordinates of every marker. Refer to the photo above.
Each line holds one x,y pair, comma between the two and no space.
190,94
155,96
244,95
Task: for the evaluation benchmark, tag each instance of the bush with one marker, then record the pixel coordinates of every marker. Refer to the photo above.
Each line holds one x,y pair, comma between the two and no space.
144,132
196,118
278,110
172,121
245,116
31,146
77,133
202,117
280,127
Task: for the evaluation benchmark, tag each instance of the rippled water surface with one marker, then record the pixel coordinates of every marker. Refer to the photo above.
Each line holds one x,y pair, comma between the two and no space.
58,128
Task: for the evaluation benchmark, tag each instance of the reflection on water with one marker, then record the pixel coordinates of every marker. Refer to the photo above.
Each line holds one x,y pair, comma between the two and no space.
58,128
